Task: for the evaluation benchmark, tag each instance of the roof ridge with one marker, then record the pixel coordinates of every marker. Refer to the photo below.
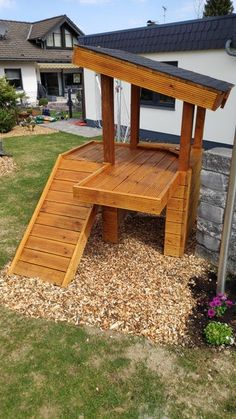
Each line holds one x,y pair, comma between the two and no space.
49,18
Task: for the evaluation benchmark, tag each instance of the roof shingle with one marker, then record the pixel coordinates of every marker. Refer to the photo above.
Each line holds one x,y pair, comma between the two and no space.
199,34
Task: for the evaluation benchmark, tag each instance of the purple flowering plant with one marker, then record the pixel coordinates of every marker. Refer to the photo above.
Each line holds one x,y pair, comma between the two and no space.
219,305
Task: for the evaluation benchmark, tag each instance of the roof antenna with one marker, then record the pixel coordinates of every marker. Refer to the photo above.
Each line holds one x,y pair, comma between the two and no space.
164,13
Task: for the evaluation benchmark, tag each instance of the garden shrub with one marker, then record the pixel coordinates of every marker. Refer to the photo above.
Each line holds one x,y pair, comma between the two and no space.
7,119
218,333
43,101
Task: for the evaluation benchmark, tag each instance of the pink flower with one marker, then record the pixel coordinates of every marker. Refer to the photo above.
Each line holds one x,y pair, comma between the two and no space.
229,303
217,301
211,313
222,296
212,304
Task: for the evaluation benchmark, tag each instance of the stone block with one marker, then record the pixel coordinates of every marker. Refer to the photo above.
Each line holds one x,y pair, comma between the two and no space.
211,213
207,241
207,254
215,181
217,160
213,197
207,227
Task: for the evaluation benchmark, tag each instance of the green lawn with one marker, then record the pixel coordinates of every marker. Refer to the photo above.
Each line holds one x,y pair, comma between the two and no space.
55,370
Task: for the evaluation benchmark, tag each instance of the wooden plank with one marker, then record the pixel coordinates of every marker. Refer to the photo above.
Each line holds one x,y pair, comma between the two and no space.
118,200
92,153
62,185
199,128
147,78
30,270
174,216
186,136
85,145
137,181
79,249
70,175
110,226
63,197
171,148
65,209
54,233
34,216
180,192
107,88
79,165
173,228
134,115
171,250
177,204
67,223
164,172
47,260
50,246
113,176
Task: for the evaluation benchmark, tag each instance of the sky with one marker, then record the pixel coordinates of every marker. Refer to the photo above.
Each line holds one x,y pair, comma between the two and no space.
94,16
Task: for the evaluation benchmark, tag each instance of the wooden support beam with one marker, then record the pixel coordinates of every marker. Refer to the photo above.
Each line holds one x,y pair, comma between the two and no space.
108,118
110,225
186,136
134,116
199,128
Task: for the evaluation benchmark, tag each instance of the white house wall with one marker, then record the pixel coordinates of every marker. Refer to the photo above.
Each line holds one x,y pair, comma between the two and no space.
219,125
29,77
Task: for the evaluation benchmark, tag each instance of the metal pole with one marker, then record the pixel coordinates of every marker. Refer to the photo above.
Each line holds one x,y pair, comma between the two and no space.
228,220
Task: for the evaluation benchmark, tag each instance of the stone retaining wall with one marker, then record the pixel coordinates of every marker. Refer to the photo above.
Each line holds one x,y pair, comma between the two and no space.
214,184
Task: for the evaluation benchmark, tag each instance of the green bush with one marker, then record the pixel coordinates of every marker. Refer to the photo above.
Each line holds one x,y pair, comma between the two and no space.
7,120
43,101
217,333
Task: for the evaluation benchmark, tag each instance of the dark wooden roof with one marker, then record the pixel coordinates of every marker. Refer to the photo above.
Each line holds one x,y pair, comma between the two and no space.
167,69
176,82
19,44
191,35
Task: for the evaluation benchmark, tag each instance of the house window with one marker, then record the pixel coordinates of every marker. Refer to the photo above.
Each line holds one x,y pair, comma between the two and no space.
68,39
157,100
13,76
54,39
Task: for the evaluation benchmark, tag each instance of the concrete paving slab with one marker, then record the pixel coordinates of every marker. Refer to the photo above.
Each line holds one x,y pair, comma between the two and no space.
70,127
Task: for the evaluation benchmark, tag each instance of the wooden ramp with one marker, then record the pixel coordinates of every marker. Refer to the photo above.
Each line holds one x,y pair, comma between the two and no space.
56,236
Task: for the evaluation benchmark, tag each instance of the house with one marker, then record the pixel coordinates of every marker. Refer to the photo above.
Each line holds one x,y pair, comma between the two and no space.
36,57
204,45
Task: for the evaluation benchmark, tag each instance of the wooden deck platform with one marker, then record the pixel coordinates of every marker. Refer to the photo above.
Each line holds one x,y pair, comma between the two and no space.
142,179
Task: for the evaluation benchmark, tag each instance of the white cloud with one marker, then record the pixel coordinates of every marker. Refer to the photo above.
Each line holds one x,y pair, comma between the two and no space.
7,4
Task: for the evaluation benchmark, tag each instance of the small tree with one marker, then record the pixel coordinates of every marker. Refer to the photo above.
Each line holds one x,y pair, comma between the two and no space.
218,8
8,102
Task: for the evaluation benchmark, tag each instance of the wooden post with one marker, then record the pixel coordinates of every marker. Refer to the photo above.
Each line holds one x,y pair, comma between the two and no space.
199,128
134,116
108,118
110,224
186,136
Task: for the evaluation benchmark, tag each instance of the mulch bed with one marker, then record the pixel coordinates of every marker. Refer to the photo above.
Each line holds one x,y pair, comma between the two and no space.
130,287
19,131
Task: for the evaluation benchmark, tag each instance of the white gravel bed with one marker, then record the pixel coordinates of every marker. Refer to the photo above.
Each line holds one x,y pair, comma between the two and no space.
130,287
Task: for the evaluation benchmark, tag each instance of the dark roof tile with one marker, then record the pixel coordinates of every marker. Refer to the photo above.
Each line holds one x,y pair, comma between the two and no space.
178,36
17,45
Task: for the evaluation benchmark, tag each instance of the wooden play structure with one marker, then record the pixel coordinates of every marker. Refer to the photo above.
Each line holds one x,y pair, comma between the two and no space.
138,176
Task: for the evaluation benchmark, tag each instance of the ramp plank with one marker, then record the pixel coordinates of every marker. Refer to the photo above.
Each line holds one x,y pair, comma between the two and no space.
56,236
